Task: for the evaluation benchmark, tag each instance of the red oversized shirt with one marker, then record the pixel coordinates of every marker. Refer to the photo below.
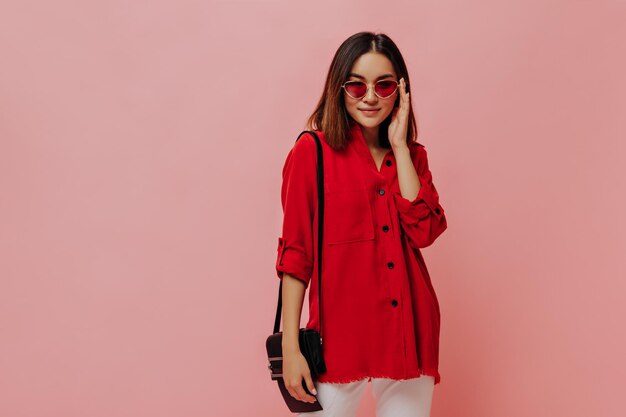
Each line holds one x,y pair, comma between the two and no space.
380,311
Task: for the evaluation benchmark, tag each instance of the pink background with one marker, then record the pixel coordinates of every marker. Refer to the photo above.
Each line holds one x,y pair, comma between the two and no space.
141,148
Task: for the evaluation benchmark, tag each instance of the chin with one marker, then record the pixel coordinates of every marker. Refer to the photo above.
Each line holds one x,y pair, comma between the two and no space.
369,121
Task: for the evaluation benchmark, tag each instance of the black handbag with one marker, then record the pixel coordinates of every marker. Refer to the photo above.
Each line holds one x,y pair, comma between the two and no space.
310,340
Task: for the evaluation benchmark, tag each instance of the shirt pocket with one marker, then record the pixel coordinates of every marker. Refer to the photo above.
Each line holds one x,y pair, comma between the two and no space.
348,213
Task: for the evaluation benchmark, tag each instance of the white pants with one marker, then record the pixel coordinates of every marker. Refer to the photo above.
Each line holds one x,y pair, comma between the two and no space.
394,398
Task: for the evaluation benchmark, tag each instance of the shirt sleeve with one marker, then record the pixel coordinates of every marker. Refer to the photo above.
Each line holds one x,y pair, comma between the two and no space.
299,201
422,219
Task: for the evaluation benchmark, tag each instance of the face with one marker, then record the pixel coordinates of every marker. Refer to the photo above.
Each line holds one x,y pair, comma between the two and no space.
370,68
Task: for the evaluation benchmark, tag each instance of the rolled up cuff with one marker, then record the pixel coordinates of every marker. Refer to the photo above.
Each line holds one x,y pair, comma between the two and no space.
293,261
425,203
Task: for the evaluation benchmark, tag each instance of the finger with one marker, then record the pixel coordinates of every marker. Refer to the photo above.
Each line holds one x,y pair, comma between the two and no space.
310,385
406,94
293,390
406,102
400,102
296,391
305,383
303,396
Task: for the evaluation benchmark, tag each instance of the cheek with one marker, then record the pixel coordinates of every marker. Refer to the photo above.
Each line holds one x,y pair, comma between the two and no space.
350,105
387,109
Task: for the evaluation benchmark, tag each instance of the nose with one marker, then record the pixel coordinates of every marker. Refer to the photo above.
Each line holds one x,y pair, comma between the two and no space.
370,96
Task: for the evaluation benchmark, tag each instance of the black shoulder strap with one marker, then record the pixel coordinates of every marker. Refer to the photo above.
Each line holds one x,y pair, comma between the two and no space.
320,230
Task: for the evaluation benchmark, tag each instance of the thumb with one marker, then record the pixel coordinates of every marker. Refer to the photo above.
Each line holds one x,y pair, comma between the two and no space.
309,384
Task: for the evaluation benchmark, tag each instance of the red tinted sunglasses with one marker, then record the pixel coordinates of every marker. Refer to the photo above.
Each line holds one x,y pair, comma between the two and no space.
382,88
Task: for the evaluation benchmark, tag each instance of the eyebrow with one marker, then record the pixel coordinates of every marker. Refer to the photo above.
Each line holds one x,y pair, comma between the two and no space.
352,74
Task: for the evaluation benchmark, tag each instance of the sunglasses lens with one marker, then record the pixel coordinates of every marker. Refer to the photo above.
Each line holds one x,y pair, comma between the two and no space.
385,88
356,89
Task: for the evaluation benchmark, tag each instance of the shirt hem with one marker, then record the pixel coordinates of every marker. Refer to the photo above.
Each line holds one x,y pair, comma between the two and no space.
339,380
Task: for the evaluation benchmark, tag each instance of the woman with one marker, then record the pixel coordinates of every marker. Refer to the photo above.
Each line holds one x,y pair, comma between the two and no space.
380,311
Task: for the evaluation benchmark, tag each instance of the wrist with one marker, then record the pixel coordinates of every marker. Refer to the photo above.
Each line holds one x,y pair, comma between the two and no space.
398,149
290,349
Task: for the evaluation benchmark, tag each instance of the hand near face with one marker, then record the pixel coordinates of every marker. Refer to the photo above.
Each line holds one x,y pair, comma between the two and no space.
398,127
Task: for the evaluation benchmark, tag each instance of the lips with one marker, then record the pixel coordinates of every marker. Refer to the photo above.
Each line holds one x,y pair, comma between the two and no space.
369,112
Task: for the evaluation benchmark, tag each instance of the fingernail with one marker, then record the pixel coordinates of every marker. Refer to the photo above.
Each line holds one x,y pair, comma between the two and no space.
314,391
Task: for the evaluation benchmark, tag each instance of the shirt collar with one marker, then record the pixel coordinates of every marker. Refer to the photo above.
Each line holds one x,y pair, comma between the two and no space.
360,145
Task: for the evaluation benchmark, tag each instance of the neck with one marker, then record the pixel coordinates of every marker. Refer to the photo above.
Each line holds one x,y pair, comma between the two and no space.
370,134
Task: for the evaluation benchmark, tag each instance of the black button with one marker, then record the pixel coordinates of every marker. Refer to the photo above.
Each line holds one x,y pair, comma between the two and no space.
388,162
394,302
381,191
437,210
390,265
385,228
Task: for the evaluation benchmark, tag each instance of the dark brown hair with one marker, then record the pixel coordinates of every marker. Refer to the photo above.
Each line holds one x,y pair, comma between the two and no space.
330,115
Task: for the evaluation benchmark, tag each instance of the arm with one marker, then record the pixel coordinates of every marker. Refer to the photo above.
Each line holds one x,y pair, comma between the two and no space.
295,258
293,297
421,215
295,246
299,200
295,367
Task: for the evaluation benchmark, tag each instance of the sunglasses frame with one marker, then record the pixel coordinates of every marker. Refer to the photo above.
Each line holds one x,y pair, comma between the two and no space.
368,88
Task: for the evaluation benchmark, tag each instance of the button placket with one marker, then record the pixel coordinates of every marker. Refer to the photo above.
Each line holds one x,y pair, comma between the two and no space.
385,228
